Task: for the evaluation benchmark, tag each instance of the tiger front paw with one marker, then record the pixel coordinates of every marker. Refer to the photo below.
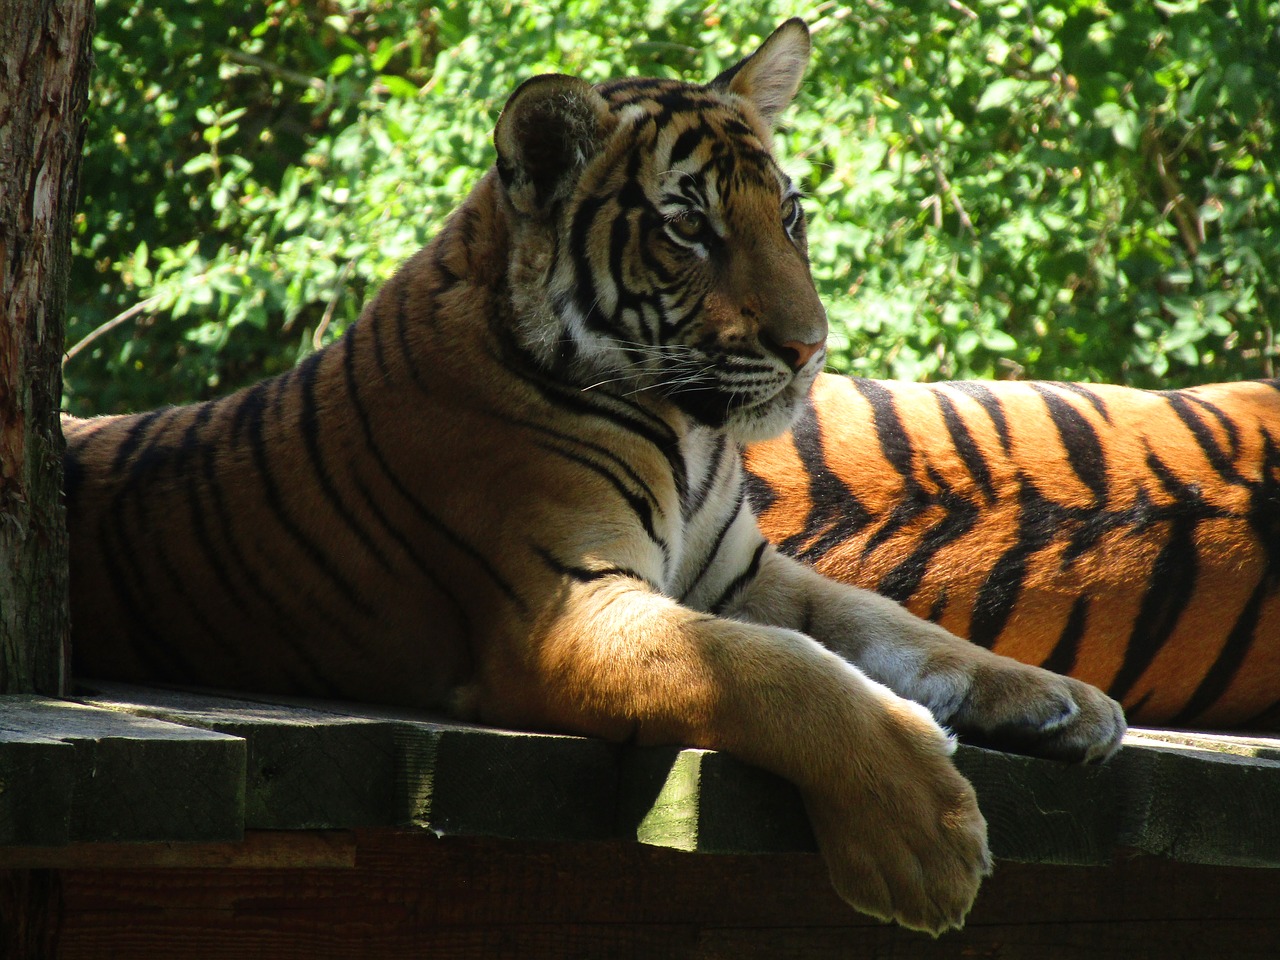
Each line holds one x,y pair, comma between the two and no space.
1028,710
905,842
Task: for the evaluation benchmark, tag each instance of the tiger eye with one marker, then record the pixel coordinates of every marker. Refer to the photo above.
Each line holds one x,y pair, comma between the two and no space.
790,211
691,225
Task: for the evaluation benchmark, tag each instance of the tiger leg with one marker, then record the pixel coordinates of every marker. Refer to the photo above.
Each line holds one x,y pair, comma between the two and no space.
899,827
999,701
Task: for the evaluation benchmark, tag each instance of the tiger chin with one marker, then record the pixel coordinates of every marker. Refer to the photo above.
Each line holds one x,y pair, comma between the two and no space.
518,477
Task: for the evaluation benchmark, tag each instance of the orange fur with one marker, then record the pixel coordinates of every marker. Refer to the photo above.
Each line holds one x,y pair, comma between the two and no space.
1168,499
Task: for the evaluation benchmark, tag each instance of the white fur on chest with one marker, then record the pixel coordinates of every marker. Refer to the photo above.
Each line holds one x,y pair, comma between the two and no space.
713,533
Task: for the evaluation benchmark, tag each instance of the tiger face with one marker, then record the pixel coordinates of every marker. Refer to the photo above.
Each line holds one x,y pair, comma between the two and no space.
659,246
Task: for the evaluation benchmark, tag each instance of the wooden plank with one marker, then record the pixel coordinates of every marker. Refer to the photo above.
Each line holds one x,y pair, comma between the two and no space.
325,765
322,764
701,800
260,849
413,895
1240,745
1042,811
30,904
1205,802
305,769
123,778
37,778
1038,811
459,779
1177,796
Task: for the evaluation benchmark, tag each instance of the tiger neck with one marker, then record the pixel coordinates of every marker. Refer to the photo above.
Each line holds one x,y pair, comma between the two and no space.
428,315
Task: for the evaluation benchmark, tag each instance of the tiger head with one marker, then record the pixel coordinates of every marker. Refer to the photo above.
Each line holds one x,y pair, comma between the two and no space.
656,243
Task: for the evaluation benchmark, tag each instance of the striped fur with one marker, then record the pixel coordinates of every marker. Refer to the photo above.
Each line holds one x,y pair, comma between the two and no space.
514,489
1128,538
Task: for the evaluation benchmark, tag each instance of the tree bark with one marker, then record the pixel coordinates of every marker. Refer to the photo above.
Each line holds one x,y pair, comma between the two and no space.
45,58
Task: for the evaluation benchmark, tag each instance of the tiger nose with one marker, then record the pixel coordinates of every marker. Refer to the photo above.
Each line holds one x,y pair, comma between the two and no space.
794,353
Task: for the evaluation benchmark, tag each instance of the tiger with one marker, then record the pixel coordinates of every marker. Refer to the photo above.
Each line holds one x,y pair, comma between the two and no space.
513,491
1129,538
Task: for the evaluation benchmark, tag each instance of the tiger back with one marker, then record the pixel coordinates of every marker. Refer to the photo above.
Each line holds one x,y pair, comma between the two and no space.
1129,538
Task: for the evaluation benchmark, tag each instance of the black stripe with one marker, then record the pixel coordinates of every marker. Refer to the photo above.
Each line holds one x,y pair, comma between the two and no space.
1169,588
590,574
939,606
287,629
194,462
641,505
686,143
409,549
142,631
191,450
897,448
1226,665
760,495
1094,398
309,423
1225,421
1038,520
740,582
986,398
249,419
1218,459
1079,440
616,410
964,445
596,448
226,523
694,500
402,336
631,195
420,509
146,462
958,518
585,295
1062,658
133,440
835,512
895,444
708,559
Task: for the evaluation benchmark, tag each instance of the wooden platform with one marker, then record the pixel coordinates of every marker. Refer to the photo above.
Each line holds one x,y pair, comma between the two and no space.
148,823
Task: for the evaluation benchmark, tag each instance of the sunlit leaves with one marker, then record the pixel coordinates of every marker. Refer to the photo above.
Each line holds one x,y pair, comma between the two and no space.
1064,189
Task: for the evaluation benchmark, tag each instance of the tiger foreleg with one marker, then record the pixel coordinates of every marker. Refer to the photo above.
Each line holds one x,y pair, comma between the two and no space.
899,827
967,688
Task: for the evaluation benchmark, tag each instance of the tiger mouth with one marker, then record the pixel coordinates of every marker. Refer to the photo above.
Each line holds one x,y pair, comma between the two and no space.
716,403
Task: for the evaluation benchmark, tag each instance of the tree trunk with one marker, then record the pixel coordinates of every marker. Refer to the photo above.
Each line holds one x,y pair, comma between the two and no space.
45,57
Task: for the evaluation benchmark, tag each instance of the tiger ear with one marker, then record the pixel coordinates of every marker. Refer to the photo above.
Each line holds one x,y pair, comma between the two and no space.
770,77
551,126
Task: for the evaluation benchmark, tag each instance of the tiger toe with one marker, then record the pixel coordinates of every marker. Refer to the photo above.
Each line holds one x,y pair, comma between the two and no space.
1031,711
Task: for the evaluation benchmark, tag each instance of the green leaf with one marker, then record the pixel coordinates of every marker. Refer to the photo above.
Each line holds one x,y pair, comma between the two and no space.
399,87
999,94
1124,124
198,164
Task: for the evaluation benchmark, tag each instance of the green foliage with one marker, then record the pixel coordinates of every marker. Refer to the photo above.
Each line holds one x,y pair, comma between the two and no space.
1060,189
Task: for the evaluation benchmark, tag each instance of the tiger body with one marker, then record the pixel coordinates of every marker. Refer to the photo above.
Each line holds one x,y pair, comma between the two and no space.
514,490
1129,538
416,545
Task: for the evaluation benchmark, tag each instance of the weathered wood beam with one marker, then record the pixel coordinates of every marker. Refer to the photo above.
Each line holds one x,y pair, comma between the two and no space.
334,765
309,766
76,773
